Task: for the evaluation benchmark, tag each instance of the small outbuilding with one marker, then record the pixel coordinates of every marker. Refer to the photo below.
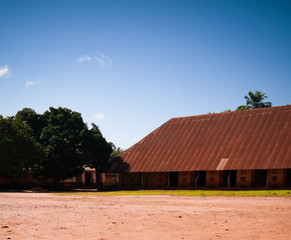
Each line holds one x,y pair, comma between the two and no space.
240,149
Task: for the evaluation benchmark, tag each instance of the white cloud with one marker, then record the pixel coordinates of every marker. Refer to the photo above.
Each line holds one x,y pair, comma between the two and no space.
100,59
29,84
84,58
4,71
103,60
99,116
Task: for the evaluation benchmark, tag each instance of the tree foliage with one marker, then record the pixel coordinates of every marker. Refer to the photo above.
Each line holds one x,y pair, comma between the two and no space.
35,121
55,145
255,100
116,151
96,149
62,140
20,154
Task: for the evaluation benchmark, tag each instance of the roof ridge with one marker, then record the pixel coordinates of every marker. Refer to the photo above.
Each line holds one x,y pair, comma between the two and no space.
231,112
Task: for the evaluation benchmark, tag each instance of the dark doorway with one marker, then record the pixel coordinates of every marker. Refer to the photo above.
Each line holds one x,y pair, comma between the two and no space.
260,178
228,178
174,179
87,178
201,181
232,178
288,178
224,178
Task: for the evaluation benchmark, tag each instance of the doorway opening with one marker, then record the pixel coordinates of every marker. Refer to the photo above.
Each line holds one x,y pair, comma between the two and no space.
224,178
87,178
260,178
288,177
232,178
201,181
173,179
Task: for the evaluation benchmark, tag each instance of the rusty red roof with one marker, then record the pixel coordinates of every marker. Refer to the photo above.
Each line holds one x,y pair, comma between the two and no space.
249,139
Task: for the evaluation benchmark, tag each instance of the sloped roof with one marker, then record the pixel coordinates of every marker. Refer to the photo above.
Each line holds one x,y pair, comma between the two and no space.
249,139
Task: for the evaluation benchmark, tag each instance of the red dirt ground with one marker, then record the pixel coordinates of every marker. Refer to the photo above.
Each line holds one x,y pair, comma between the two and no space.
51,216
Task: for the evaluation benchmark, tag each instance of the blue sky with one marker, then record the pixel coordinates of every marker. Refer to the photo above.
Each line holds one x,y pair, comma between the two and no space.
129,66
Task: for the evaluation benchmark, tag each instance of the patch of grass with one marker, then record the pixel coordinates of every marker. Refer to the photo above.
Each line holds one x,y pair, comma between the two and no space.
244,193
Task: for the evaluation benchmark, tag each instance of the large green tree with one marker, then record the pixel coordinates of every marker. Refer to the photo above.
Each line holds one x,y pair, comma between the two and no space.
255,100
20,154
70,145
55,145
63,142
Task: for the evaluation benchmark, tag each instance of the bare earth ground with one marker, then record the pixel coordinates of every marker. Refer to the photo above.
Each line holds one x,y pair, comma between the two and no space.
51,216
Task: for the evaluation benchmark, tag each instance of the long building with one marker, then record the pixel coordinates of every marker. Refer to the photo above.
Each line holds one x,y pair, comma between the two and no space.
242,149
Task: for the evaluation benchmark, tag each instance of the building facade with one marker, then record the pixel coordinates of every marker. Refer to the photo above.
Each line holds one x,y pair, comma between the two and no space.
240,149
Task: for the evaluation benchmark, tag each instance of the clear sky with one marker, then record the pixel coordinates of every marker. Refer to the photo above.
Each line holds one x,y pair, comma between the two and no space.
129,66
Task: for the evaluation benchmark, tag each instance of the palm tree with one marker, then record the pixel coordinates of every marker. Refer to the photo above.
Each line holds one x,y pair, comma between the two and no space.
255,100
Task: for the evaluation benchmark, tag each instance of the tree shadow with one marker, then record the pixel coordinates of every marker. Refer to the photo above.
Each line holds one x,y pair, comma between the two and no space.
117,165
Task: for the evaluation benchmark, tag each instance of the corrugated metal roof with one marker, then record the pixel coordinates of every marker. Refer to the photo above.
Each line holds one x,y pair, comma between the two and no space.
249,139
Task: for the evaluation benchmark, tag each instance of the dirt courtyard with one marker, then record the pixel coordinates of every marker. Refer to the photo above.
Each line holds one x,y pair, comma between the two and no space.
52,216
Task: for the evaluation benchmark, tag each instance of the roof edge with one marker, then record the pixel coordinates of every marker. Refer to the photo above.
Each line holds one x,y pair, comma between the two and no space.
228,112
